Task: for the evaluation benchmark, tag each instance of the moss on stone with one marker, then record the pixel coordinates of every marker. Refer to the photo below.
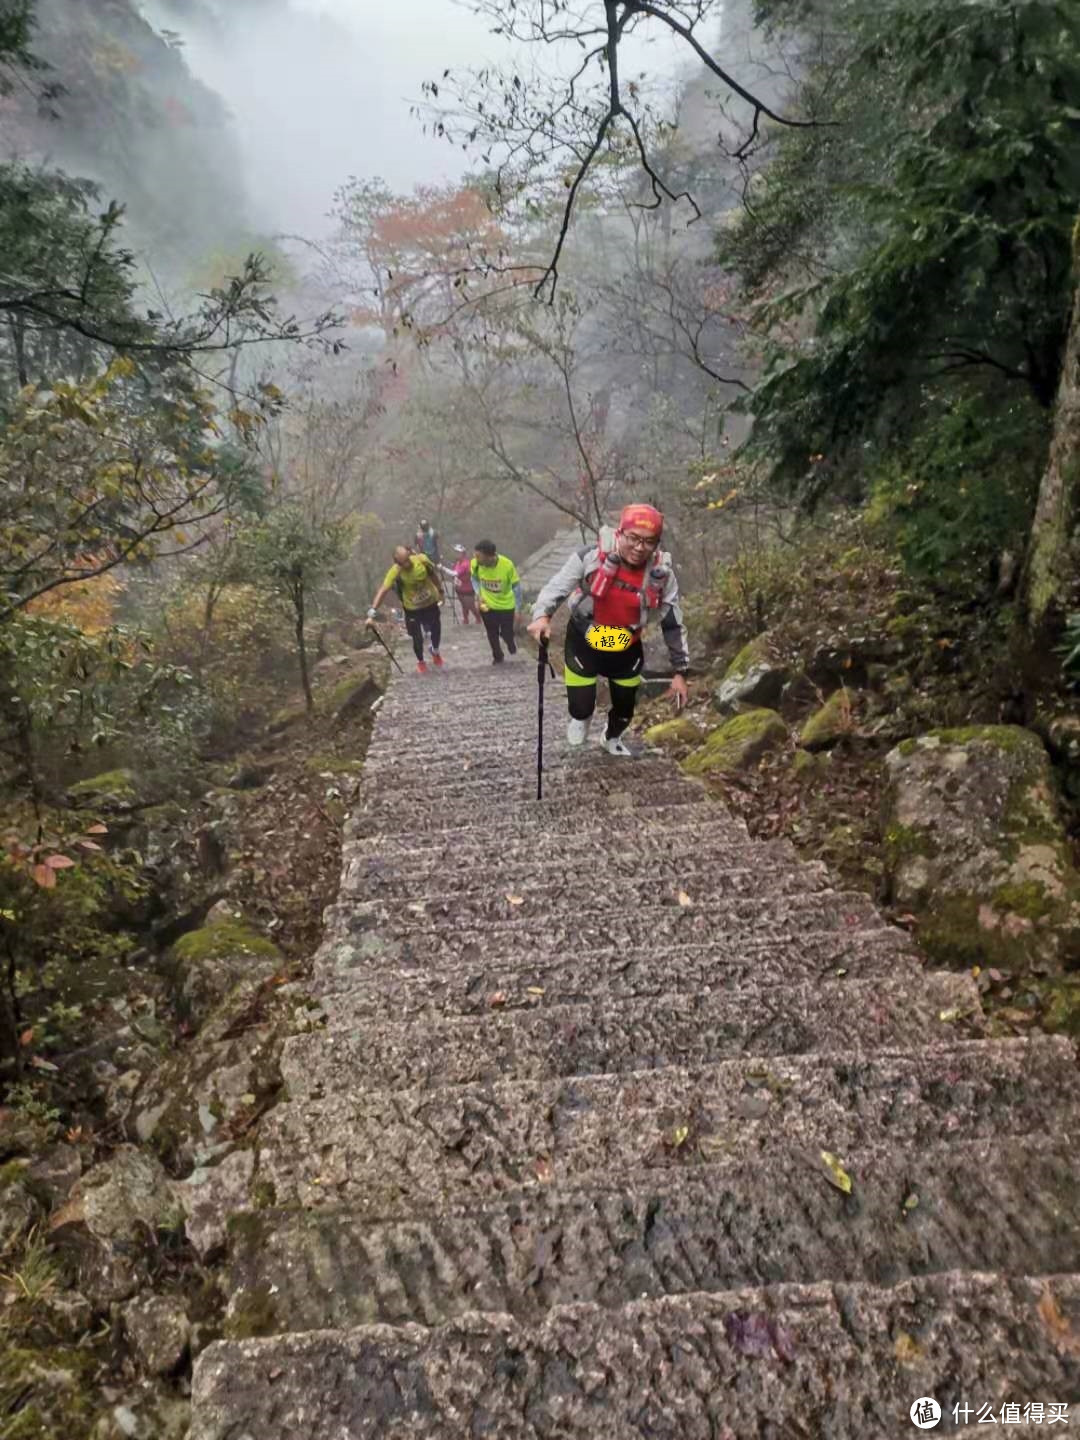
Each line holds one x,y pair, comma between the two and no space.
46,1391
1013,739
951,933
217,942
332,699
680,731
737,743
113,784
755,652
1027,899
1060,1003
807,765
829,724
263,1195
12,1173
253,1314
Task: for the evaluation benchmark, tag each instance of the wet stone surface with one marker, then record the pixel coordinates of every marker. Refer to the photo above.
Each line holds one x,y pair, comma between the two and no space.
611,1122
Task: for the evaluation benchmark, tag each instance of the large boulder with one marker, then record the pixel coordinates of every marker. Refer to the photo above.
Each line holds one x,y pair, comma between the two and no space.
738,743
754,677
109,1227
975,848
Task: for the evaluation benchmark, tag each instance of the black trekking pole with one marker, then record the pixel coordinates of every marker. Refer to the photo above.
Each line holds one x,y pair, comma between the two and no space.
542,664
386,647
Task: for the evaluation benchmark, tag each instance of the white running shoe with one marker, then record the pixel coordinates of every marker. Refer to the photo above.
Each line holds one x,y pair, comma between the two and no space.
577,732
616,747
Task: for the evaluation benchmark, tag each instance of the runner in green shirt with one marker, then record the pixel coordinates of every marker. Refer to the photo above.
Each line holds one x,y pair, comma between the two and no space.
419,584
499,588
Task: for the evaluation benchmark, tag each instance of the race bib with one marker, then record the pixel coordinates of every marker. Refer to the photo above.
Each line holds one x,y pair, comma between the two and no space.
611,638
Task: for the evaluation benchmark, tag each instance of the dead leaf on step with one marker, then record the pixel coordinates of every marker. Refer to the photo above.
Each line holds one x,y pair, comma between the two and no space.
911,1203
516,899
542,1170
1058,1325
835,1172
677,1136
276,1373
534,990
499,998
683,898
907,1350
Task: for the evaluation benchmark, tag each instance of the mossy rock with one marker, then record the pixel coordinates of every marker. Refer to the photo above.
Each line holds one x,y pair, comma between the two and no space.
670,734
111,790
738,743
47,1391
830,723
808,766
1059,1002
974,846
211,961
753,678
221,940
351,696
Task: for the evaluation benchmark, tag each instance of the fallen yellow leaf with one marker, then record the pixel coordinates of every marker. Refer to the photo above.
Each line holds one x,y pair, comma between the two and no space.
906,1349
684,898
516,899
837,1175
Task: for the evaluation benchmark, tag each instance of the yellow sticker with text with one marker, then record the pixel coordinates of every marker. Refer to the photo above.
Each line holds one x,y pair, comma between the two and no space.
611,638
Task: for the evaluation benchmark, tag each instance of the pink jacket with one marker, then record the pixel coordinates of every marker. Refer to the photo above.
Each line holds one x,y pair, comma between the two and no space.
462,577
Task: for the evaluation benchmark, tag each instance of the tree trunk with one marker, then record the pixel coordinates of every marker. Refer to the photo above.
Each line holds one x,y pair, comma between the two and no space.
305,678
1048,568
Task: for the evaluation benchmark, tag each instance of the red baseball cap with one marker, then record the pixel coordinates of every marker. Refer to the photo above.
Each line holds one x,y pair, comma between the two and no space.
642,517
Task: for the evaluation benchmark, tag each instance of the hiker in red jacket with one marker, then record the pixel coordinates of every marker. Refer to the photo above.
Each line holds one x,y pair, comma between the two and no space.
614,588
461,574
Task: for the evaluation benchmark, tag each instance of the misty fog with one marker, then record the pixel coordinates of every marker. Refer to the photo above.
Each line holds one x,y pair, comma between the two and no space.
320,90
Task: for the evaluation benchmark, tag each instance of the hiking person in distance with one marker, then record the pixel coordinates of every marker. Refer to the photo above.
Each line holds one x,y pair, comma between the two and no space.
427,541
499,591
459,572
614,588
419,587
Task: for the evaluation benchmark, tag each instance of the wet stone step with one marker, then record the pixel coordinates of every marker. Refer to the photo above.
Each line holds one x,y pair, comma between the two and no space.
1011,1206
372,976
617,918
477,895
521,812
685,854
553,823
393,1154
837,1361
606,1036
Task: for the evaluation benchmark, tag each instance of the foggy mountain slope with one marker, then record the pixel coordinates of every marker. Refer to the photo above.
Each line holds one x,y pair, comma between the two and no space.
133,117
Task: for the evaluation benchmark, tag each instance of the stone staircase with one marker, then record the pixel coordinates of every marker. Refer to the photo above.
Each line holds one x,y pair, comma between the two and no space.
569,1158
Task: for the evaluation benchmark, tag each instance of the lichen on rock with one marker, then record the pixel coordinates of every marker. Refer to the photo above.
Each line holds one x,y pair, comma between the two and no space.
975,848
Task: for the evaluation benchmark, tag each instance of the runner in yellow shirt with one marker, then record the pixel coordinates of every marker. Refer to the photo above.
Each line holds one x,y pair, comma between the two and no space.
420,589
499,588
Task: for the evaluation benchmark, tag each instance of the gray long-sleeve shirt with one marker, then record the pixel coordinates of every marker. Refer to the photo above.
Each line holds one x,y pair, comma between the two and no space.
573,581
